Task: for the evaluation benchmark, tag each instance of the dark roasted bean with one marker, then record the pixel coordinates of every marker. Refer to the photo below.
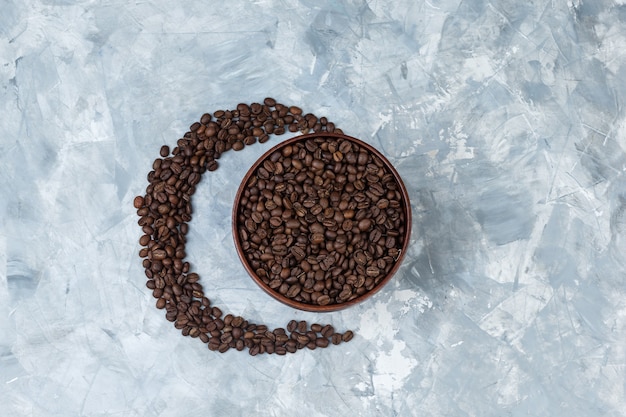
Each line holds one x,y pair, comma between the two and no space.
323,300
321,342
291,327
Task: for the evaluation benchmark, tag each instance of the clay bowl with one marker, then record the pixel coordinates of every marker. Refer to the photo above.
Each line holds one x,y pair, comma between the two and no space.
245,233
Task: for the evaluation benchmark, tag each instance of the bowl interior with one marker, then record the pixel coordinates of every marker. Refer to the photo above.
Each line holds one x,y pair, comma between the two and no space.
405,207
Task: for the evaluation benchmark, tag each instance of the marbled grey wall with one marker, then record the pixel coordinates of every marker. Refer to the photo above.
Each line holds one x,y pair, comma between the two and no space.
506,120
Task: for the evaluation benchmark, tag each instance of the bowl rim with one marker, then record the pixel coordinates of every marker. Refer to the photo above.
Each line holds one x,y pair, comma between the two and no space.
315,307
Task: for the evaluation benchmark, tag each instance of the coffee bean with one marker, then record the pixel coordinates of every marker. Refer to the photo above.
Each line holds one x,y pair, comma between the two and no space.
295,110
138,202
321,342
323,300
298,253
327,331
345,294
372,271
375,235
293,291
214,343
280,250
292,325
360,257
316,327
158,254
144,240
316,238
364,224
302,326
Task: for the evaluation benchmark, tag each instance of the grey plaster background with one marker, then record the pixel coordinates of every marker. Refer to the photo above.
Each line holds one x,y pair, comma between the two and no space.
505,119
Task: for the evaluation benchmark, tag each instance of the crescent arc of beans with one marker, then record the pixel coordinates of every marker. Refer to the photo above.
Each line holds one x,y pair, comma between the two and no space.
165,211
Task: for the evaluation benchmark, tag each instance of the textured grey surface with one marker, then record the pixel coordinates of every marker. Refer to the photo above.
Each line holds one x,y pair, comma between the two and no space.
505,119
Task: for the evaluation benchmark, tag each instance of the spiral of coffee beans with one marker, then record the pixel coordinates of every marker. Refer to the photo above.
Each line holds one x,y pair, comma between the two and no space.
166,210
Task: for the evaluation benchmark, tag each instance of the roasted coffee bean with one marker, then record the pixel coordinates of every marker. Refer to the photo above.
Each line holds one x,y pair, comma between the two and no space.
292,326
144,240
302,326
364,224
360,257
160,304
372,271
327,331
295,110
158,254
254,350
345,294
298,253
138,202
375,235
321,342
317,238
293,291
323,300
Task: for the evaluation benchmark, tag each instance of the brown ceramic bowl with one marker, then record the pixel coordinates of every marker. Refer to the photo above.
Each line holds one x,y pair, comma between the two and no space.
241,236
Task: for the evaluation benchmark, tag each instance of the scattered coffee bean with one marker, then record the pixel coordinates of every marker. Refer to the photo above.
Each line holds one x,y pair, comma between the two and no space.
138,202
165,211
347,336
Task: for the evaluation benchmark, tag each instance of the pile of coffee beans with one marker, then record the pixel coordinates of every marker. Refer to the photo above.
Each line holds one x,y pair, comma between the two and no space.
321,220
165,212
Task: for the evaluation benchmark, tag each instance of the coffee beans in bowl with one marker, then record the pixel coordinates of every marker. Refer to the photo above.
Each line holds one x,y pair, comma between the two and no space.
321,221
